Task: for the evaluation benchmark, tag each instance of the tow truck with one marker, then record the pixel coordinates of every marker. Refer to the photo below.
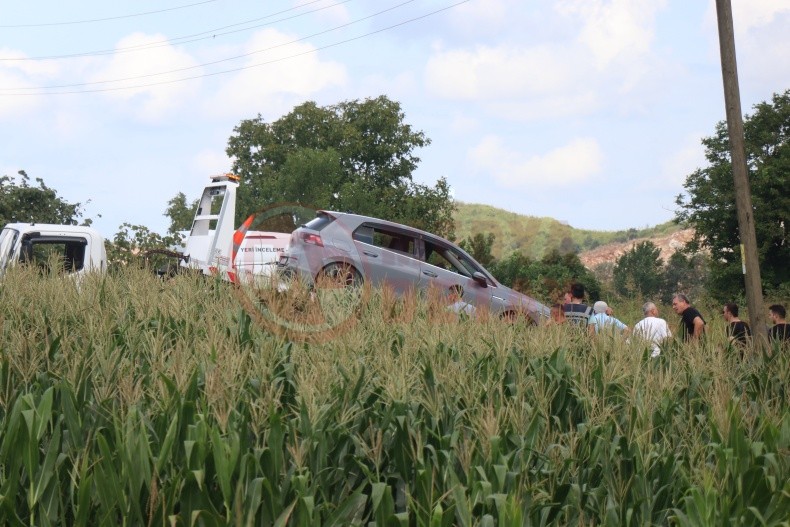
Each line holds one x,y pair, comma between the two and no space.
215,248
212,246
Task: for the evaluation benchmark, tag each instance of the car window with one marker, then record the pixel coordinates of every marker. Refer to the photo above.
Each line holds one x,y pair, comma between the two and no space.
446,258
319,222
386,239
451,259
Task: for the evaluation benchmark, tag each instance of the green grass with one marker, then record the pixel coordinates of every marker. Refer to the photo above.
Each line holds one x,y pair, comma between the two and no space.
129,401
533,236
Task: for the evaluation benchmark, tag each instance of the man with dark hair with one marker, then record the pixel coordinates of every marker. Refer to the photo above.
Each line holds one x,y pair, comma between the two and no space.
577,313
780,331
693,323
738,331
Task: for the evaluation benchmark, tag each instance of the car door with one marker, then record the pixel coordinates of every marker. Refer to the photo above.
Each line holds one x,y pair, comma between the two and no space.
389,256
444,266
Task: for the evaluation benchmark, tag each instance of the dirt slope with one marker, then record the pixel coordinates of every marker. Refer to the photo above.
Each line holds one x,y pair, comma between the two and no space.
612,251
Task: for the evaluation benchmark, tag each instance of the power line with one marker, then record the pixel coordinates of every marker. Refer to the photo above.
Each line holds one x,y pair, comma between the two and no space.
234,70
119,17
186,39
236,57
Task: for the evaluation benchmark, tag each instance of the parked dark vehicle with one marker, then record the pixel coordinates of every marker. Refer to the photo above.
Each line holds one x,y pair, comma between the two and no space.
360,249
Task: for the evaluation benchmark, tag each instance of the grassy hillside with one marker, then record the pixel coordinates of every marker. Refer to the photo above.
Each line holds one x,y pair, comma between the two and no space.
535,236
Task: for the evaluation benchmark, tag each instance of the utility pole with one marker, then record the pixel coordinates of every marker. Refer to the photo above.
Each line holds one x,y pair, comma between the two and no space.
743,195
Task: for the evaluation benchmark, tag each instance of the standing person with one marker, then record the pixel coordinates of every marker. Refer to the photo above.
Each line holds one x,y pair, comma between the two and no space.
780,332
577,313
652,329
600,320
738,331
692,322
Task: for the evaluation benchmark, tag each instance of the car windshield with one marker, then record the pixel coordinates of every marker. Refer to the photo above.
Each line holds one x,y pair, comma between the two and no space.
7,240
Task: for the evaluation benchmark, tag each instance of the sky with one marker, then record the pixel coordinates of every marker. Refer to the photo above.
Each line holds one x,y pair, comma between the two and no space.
587,111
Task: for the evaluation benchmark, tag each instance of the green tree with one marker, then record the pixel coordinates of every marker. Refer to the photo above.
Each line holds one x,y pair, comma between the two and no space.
22,202
686,274
181,213
709,203
479,246
355,156
547,278
131,243
639,272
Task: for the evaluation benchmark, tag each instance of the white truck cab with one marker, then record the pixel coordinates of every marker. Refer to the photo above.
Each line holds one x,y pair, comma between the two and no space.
80,249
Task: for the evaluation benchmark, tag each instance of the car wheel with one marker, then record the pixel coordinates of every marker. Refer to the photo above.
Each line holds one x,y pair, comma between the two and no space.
339,275
511,317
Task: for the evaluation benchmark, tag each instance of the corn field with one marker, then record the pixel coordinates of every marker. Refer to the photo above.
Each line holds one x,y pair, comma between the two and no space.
125,400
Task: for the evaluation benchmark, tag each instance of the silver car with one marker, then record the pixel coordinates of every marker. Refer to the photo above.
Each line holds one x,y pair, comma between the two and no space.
361,249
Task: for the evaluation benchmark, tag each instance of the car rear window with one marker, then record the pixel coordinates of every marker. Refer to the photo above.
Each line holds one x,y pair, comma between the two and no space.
319,222
386,239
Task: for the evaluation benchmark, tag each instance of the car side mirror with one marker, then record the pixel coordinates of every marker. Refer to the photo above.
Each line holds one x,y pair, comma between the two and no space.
480,278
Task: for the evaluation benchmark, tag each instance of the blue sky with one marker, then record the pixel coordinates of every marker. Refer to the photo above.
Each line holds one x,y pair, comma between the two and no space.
587,111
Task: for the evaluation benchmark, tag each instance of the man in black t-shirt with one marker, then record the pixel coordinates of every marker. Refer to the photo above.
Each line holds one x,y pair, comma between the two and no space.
693,323
738,331
781,329
577,313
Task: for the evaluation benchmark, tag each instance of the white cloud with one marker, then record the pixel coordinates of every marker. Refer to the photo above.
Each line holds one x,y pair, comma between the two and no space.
574,162
279,75
548,107
749,14
19,61
500,72
689,156
16,79
615,30
462,124
481,17
18,103
761,43
147,98
211,162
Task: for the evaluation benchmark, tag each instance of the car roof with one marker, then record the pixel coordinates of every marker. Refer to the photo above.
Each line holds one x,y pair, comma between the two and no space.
389,223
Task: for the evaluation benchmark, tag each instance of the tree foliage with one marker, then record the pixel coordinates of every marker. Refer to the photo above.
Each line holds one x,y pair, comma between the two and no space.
639,272
479,246
355,156
180,212
685,274
131,243
709,203
547,278
22,202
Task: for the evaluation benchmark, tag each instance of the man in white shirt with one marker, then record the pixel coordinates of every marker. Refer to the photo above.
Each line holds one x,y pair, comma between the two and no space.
457,303
652,329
